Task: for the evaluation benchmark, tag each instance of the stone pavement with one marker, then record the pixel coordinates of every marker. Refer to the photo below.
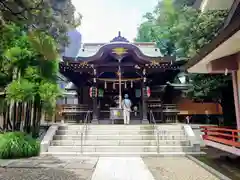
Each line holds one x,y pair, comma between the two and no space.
124,168
48,168
83,168
176,168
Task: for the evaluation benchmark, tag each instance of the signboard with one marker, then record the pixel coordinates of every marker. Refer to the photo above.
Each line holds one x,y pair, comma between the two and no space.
100,92
147,92
116,113
138,93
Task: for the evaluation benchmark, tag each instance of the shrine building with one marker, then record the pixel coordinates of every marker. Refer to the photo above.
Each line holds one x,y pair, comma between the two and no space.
100,74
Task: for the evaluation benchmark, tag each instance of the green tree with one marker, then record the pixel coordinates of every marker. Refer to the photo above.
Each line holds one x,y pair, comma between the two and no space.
29,57
183,3
182,32
55,17
30,63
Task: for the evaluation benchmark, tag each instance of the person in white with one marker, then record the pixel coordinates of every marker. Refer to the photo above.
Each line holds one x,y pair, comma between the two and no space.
126,104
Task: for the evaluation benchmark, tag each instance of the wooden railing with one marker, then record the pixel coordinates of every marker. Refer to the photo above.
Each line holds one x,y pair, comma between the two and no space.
226,136
165,107
170,108
74,108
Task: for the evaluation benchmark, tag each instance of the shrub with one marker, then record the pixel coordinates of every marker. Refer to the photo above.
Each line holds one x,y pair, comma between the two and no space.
18,145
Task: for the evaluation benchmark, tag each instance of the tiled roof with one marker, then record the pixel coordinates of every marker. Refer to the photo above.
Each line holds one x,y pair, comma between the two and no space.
148,49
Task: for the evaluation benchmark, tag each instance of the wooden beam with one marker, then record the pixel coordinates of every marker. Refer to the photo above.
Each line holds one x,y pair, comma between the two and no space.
220,65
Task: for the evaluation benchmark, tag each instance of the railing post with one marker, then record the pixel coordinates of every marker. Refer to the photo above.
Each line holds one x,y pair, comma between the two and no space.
205,132
158,150
233,136
81,142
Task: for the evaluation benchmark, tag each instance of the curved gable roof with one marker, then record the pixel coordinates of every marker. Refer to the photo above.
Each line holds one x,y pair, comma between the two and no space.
147,49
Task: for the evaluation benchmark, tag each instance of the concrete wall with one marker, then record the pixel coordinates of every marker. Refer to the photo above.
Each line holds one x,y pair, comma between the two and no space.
215,5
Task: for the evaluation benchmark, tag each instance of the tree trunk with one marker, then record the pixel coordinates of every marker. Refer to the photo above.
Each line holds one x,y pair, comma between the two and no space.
9,122
14,116
5,111
19,117
36,107
39,116
27,126
13,106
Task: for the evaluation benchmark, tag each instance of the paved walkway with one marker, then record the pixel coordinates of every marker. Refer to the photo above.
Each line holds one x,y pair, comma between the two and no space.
176,168
121,168
103,168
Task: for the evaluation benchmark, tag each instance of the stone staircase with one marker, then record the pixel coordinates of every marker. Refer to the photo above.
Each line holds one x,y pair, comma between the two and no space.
120,139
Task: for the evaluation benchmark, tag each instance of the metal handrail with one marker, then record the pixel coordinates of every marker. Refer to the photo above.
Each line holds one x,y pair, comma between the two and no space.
84,128
152,119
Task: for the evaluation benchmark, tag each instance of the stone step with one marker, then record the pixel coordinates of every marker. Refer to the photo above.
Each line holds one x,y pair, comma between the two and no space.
120,137
119,132
120,143
108,127
120,127
119,149
87,155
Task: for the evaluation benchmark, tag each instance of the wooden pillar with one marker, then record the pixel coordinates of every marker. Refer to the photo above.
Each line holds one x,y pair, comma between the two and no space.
144,99
236,97
95,109
162,115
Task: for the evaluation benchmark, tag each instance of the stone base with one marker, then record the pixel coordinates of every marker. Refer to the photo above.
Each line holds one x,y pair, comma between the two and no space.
94,121
145,121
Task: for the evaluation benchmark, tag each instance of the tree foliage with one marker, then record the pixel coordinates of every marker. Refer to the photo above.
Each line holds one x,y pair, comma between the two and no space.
182,32
54,17
18,145
208,87
36,69
183,3
29,69
32,33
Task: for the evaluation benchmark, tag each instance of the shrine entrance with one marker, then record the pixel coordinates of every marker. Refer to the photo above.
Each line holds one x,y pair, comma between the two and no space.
109,96
115,69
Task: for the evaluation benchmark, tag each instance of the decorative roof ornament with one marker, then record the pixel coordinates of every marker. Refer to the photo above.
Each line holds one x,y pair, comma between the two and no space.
84,63
119,38
154,62
119,51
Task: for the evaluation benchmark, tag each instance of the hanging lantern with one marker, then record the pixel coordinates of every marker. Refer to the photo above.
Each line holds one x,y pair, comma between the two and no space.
226,72
93,92
148,91
131,84
105,85
144,79
90,91
125,85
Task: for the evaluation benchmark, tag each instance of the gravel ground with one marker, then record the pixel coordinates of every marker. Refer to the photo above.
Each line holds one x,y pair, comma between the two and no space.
39,174
48,168
176,168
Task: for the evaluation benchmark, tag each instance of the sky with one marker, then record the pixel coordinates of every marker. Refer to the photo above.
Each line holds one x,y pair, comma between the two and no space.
102,19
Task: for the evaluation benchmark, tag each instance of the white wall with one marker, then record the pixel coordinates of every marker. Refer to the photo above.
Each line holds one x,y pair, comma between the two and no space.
216,5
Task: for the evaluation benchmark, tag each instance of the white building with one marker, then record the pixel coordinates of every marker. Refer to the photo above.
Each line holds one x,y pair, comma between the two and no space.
206,5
